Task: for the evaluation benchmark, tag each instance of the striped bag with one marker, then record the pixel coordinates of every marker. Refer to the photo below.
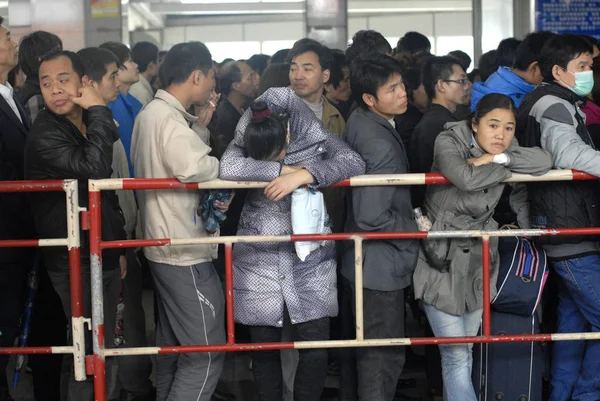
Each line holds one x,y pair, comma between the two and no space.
522,275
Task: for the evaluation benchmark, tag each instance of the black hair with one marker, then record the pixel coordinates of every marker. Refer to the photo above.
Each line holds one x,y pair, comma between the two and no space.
182,60
280,56
530,49
413,43
337,68
76,61
411,73
33,48
596,90
438,68
369,73
266,134
259,63
161,55
144,53
488,64
463,58
491,102
473,74
120,50
275,76
96,61
507,50
229,74
367,42
593,41
560,50
310,45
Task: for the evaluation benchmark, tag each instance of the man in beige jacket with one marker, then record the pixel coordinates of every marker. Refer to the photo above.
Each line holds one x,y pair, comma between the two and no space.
190,299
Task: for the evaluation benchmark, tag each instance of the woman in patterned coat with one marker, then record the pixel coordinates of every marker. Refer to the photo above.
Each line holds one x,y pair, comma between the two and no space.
271,284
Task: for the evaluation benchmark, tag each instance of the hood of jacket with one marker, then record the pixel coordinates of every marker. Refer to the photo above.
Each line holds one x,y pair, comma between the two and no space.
503,81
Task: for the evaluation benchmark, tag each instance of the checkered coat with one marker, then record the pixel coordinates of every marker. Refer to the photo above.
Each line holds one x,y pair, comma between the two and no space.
268,276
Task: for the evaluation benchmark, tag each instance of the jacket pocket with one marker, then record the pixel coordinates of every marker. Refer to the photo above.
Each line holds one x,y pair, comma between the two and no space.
439,252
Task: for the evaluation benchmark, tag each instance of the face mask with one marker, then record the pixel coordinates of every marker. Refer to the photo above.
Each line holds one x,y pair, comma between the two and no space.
584,83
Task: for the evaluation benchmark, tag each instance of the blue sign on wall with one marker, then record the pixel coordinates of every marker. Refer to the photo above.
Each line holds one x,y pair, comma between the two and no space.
569,16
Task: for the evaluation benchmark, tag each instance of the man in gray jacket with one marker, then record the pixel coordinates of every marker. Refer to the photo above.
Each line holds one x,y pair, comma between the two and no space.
388,265
550,117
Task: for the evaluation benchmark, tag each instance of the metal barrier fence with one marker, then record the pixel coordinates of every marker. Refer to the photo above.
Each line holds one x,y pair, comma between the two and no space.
72,242
97,367
97,245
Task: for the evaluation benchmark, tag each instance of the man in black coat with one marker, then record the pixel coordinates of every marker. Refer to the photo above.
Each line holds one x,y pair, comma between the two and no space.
15,216
73,138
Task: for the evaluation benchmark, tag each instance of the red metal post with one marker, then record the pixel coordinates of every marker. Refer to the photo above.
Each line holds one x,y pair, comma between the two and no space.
229,293
97,295
485,251
75,278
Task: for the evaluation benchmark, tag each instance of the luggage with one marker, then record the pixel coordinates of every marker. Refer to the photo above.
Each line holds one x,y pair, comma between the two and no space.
509,371
521,278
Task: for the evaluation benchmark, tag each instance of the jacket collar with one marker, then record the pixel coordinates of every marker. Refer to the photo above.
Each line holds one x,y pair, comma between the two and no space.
329,111
375,117
512,79
173,102
145,84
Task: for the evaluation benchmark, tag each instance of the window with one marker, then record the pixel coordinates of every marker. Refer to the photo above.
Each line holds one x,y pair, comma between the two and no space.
271,47
446,44
235,50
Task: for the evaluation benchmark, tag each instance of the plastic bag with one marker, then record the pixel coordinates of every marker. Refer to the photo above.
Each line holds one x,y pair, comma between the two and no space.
308,217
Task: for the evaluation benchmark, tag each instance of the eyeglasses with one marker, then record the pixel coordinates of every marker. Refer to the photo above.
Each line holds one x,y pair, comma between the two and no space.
463,82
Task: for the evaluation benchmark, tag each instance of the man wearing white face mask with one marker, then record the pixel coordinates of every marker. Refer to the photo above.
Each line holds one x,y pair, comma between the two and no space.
550,117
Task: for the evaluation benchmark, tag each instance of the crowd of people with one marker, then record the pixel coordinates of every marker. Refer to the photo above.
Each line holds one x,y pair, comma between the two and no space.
307,116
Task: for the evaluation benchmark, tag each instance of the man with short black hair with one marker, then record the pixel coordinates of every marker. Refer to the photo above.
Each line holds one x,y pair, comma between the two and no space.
366,42
310,70
145,55
414,43
521,78
32,49
238,84
377,86
73,138
15,217
190,304
446,84
125,107
337,89
101,68
550,117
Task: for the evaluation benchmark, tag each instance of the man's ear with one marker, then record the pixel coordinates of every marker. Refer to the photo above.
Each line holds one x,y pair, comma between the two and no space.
326,76
86,81
368,99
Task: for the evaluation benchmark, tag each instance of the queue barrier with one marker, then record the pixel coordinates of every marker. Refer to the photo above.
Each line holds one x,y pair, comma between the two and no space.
72,242
97,363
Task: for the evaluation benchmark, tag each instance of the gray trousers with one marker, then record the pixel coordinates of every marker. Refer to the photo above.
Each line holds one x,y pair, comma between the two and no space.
191,311
111,280
133,373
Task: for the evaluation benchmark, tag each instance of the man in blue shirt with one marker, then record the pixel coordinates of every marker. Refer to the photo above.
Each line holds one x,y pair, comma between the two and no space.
518,81
126,108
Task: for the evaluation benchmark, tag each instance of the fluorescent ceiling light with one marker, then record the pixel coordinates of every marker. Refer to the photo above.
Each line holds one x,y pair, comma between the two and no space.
238,12
406,10
239,1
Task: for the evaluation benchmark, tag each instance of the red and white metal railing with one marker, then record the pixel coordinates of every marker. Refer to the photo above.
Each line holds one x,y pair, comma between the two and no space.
72,242
97,245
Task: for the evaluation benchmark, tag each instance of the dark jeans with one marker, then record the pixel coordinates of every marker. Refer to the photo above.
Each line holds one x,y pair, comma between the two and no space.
12,291
48,328
377,369
576,364
312,366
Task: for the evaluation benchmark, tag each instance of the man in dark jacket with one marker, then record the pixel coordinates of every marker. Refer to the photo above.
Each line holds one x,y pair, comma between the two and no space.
73,138
550,117
447,85
387,265
15,217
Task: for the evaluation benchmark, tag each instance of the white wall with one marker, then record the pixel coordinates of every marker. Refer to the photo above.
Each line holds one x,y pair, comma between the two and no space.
447,31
